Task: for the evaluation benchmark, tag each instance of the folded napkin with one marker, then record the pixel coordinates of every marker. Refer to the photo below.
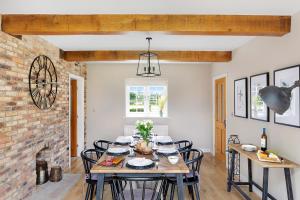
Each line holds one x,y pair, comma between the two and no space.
163,139
124,139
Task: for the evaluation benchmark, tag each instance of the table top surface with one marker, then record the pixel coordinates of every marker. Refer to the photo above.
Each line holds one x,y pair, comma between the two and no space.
252,156
163,166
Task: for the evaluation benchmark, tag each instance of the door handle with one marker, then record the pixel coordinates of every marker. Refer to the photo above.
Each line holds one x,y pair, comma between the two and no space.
224,122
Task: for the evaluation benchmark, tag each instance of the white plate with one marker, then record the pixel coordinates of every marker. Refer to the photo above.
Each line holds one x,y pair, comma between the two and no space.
163,139
124,139
165,150
249,147
140,162
117,150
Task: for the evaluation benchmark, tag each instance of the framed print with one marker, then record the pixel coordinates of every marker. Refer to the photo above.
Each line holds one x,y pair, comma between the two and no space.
285,78
241,98
258,109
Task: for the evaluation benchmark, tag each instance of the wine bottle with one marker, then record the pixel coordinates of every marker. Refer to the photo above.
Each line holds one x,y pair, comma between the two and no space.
263,140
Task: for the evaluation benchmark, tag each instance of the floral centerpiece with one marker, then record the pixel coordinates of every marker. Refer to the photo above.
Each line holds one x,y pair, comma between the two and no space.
144,128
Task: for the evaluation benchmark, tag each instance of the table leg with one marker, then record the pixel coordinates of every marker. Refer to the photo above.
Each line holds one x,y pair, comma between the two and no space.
231,171
265,183
100,184
288,182
250,175
180,189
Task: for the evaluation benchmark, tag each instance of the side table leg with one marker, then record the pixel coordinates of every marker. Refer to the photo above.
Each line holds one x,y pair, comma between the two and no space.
250,175
231,171
288,182
265,183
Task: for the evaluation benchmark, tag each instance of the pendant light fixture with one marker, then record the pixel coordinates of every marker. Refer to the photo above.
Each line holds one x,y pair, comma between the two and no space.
148,63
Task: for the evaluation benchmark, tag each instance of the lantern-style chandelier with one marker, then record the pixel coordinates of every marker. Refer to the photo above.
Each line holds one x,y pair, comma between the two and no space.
148,63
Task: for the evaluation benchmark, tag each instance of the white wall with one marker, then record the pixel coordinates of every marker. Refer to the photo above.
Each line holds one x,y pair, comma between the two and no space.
265,54
189,106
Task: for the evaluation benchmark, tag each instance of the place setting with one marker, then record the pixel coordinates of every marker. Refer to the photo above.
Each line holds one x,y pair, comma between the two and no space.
167,151
123,140
117,151
140,163
164,140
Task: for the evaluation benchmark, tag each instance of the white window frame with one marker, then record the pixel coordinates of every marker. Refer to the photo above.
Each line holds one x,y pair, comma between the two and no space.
144,82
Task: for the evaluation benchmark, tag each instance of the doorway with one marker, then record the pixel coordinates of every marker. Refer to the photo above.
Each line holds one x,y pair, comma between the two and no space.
220,118
73,115
76,116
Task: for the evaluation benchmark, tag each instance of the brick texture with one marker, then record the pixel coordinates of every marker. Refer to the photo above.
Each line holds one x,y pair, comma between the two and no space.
25,129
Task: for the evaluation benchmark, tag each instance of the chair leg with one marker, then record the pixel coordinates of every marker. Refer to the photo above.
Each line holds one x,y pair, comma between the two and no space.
92,192
121,189
172,192
196,186
115,189
191,192
112,191
165,190
161,190
87,192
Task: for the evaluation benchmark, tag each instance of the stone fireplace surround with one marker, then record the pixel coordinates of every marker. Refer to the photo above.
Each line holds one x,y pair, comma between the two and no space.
24,129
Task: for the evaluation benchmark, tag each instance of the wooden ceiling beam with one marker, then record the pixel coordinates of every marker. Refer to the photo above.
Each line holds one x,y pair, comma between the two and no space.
173,56
250,25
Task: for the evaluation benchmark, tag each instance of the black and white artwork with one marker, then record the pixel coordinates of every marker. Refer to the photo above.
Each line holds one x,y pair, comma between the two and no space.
258,109
285,78
240,98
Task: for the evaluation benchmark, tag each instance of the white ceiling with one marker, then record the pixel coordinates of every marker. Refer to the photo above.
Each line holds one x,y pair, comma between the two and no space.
136,41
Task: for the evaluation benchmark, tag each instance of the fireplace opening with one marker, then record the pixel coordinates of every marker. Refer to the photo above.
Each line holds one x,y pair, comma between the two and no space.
42,174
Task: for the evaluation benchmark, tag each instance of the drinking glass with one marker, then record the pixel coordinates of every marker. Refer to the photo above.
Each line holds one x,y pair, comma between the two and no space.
154,141
131,145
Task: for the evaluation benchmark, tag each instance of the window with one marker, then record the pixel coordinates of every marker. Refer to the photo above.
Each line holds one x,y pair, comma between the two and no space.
146,99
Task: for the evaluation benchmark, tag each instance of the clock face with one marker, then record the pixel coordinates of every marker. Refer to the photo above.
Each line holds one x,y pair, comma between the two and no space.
43,82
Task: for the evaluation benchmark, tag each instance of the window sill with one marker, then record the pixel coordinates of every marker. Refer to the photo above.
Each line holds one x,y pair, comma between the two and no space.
139,117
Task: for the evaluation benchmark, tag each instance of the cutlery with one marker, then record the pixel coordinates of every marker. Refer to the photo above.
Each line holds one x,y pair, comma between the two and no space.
123,163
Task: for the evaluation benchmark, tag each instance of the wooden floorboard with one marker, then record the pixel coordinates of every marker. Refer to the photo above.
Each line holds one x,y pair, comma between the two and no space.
212,186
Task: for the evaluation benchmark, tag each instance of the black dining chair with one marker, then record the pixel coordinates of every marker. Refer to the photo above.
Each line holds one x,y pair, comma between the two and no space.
102,144
193,159
183,145
89,158
138,188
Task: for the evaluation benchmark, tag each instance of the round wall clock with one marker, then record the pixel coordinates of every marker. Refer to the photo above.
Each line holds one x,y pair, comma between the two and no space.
43,82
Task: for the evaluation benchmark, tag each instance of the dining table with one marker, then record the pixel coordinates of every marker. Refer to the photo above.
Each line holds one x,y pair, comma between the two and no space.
162,168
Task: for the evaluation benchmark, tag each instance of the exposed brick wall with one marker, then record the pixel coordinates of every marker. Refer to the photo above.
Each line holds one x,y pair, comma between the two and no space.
25,129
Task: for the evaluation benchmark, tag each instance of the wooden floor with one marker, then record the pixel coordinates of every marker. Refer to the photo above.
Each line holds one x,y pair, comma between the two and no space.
212,186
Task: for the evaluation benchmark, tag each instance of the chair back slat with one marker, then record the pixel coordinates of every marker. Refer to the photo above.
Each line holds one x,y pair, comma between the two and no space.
193,159
89,158
183,145
102,145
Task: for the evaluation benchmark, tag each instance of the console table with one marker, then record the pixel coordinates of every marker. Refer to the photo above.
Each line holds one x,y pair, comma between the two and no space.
286,165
